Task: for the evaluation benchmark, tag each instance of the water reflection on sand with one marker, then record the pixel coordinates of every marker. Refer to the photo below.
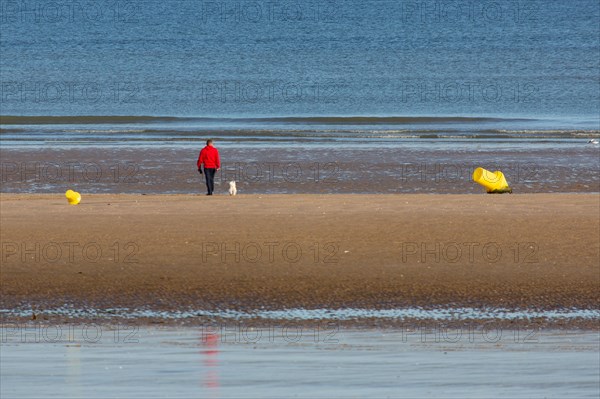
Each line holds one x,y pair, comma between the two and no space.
228,362
209,353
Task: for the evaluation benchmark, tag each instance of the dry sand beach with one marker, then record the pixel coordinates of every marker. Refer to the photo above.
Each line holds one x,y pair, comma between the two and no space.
173,252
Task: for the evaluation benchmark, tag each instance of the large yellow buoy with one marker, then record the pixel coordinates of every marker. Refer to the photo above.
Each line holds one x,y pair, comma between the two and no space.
494,182
73,197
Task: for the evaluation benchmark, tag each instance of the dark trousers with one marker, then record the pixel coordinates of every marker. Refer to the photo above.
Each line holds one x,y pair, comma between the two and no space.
209,173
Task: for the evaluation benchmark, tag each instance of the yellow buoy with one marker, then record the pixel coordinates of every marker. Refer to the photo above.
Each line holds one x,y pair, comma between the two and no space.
495,183
73,197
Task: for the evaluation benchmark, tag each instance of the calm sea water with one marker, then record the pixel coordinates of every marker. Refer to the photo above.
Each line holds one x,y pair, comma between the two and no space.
110,361
517,59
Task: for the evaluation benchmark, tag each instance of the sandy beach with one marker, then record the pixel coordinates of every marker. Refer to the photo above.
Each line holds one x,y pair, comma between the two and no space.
399,168
168,252
361,257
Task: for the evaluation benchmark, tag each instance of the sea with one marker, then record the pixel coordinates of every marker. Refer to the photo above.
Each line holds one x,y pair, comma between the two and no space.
286,72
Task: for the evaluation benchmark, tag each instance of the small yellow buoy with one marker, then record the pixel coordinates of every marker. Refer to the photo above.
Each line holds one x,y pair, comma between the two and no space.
495,183
73,197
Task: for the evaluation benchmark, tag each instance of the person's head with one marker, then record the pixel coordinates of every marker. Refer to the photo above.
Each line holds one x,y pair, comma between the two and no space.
209,142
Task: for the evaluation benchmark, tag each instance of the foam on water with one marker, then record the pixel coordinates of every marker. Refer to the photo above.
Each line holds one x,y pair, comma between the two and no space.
319,314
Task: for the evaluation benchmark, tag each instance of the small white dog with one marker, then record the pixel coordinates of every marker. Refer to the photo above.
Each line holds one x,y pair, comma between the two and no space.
232,188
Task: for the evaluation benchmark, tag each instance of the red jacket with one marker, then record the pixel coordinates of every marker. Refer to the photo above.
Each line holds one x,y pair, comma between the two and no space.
209,156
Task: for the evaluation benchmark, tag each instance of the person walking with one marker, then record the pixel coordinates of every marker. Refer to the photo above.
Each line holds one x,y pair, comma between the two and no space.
209,157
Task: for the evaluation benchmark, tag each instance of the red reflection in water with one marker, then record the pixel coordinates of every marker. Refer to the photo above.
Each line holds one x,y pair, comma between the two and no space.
209,342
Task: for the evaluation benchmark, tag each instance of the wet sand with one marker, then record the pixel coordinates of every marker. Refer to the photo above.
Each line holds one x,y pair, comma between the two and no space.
174,252
402,168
